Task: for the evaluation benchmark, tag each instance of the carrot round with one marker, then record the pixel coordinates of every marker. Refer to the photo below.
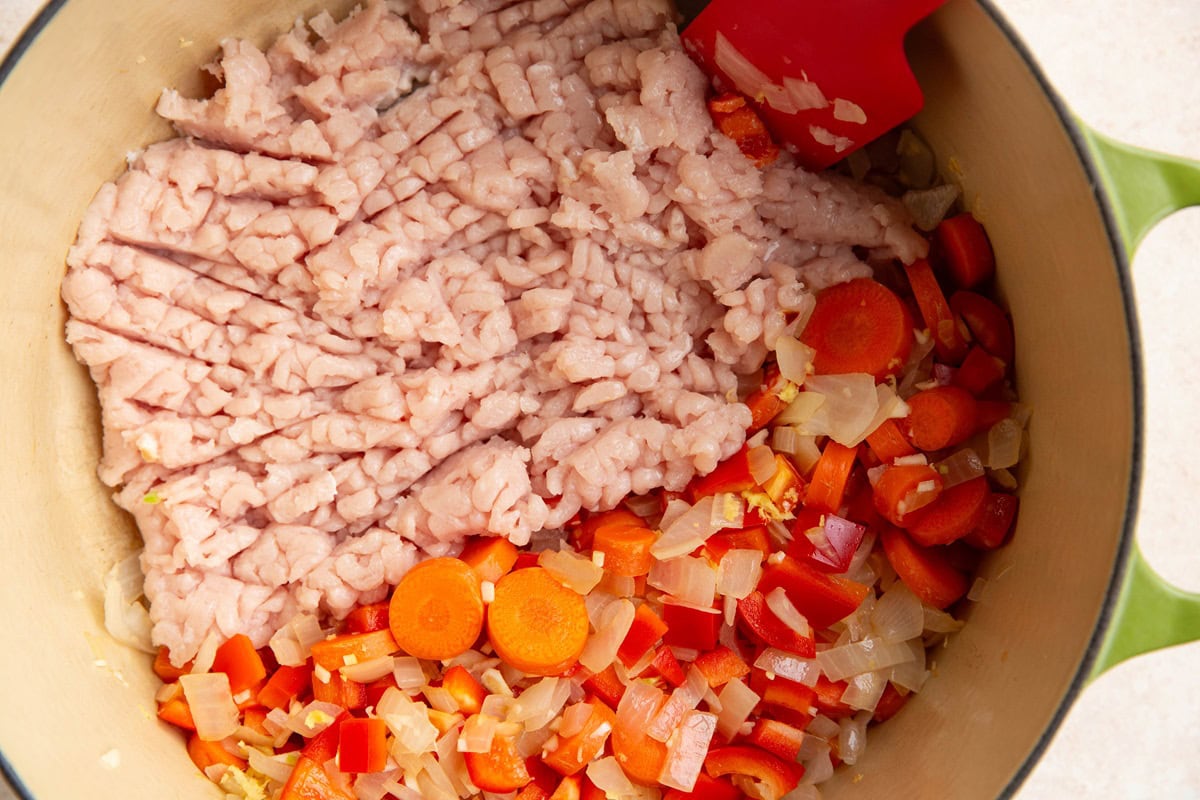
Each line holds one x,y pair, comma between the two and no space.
987,322
965,247
859,326
535,623
887,442
491,557
829,477
437,609
941,417
626,549
956,512
925,570
902,490
948,340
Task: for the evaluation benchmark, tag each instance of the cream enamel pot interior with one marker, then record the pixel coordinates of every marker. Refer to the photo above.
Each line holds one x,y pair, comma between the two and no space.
78,711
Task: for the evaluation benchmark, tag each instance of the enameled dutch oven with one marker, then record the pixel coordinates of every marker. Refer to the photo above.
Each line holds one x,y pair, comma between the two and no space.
76,708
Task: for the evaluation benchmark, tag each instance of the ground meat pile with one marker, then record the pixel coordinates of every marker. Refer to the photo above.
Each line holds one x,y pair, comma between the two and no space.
464,267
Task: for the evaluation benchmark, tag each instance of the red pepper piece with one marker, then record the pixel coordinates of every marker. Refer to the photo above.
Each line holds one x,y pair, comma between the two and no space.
165,670
284,685
823,599
647,628
752,537
310,781
996,523
827,697
367,619
362,745
721,665
777,738
766,401
979,372
763,627
988,323
773,777
731,475
707,788
694,628
324,745
238,659
500,769
606,685
785,487
340,691
666,665
889,703
466,690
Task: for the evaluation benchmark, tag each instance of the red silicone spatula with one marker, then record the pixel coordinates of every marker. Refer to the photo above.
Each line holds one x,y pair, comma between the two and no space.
827,76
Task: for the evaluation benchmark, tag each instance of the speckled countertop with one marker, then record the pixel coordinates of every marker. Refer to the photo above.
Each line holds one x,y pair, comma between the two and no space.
1131,69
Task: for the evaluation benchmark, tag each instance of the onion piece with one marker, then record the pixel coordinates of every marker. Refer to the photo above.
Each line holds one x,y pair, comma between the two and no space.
682,700
788,665
477,734
977,589
1004,441
540,703
930,206
737,704
959,467
211,702
819,768
408,721
574,717
675,509
609,778
125,618
612,626
453,764
803,449
898,615
912,675
839,663
794,358
802,410
691,581
370,670
788,614
687,750
687,532
852,741
408,672
277,768
293,641
851,404
738,573
571,569
728,509
938,621
863,691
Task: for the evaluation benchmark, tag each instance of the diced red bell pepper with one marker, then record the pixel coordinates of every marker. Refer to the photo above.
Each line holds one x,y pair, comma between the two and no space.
368,618
996,523
205,754
667,666
827,697
376,688
362,745
989,412
777,738
284,685
823,599
324,745
767,401
238,659
690,627
731,475
606,685
310,781
647,628
707,788
340,691
785,487
752,537
785,693
174,708
979,371
773,776
543,780
988,323
589,791
721,665
763,627
889,703
527,559
576,751
500,769
569,788
468,692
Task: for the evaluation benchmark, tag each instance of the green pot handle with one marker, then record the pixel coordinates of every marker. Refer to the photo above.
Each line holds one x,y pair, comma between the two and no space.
1142,188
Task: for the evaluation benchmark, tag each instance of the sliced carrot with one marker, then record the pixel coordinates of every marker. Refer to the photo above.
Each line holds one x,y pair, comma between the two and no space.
721,665
535,623
828,484
887,442
767,400
924,570
646,630
956,512
437,609
165,670
501,769
966,250
785,487
859,326
238,659
904,488
353,648
626,549
735,118
368,618
949,341
617,519
492,557
468,692
997,521
574,752
979,371
940,417
204,754
987,322
284,685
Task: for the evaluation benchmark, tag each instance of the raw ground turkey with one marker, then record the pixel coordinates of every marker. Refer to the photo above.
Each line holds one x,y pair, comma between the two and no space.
417,276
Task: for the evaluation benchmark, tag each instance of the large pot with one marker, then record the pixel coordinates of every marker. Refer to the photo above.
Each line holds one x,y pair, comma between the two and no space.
1067,598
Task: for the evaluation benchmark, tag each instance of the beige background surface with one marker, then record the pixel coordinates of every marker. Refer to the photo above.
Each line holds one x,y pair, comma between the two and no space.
1132,70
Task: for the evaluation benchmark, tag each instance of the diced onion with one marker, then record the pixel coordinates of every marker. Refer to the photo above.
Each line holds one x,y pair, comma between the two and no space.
959,467
788,665
477,734
819,768
613,624
292,643
206,654
574,717
898,615
682,699
1003,478
738,573
802,410
687,749
540,703
1004,444
440,699
644,505
803,449
211,702
788,614
747,78
737,704
728,510
687,532
534,741
863,691
691,581
609,778
408,672
938,621
761,460
408,721
493,680
571,569
839,663
277,768
370,670
794,358
126,619
977,589
912,675
930,206
851,404
852,741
